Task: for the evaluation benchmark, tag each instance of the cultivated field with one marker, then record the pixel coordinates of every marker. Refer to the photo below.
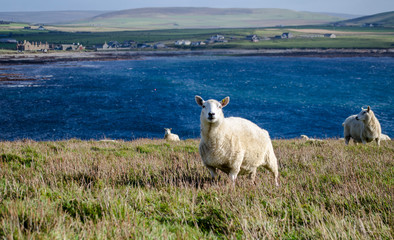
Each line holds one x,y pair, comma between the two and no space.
157,190
346,37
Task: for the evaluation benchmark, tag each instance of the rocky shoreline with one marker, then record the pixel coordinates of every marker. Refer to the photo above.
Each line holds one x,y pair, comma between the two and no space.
42,58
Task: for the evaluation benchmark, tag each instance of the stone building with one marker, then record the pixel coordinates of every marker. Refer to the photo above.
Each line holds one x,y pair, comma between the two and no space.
33,46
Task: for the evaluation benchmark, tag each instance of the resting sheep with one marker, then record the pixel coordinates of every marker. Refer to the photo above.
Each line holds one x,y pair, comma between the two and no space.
305,137
170,136
363,127
233,145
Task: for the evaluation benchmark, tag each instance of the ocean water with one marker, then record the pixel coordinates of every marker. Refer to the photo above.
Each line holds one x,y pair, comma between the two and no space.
287,96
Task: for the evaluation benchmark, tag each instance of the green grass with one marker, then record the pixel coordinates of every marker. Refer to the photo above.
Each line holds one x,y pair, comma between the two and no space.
385,18
155,189
349,38
339,42
167,18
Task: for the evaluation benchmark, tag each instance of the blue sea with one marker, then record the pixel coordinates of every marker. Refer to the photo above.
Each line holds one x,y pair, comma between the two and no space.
129,99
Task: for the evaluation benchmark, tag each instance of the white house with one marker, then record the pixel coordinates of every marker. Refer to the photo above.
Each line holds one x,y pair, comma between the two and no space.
330,35
183,43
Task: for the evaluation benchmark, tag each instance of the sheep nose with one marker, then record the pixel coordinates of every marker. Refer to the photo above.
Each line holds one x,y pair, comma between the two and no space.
211,115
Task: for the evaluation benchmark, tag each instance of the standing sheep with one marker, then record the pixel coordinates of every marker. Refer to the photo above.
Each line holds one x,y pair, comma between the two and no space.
233,145
363,127
170,136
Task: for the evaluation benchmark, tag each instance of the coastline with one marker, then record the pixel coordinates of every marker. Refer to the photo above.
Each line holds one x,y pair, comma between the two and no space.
43,58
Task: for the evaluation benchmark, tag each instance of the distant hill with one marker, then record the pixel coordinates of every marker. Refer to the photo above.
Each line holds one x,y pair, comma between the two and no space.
385,19
192,17
341,15
48,17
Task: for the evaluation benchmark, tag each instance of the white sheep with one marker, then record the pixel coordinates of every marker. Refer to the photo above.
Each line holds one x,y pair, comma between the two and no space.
305,137
384,137
234,145
362,128
107,140
170,136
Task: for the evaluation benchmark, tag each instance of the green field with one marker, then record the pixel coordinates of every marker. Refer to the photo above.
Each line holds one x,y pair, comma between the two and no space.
151,189
168,18
347,37
370,41
384,19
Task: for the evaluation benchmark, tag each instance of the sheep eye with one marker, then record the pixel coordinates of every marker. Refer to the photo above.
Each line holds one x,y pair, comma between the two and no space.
203,106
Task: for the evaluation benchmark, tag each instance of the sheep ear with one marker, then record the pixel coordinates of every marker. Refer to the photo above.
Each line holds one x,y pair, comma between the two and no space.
199,100
369,108
225,101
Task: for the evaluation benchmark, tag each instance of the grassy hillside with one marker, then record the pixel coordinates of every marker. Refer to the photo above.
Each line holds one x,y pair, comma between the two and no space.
169,18
347,37
385,19
152,189
48,17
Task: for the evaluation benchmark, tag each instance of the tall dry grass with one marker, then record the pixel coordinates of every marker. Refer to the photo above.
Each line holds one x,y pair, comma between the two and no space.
154,189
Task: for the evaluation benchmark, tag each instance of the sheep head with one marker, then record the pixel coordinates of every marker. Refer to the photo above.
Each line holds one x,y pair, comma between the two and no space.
365,115
167,130
211,109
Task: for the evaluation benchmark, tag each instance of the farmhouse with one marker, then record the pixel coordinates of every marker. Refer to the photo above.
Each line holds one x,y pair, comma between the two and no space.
107,46
330,35
115,45
183,43
217,38
253,38
372,25
287,35
199,43
33,46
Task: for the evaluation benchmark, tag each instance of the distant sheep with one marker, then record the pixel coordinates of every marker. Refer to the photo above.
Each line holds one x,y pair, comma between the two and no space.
107,140
362,128
233,145
305,137
170,136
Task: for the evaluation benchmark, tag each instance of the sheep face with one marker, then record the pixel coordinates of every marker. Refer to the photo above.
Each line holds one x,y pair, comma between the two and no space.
365,115
167,130
211,109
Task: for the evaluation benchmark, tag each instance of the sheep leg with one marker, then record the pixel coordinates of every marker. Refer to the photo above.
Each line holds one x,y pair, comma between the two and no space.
212,170
274,169
347,139
362,136
378,141
233,174
252,175
276,176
